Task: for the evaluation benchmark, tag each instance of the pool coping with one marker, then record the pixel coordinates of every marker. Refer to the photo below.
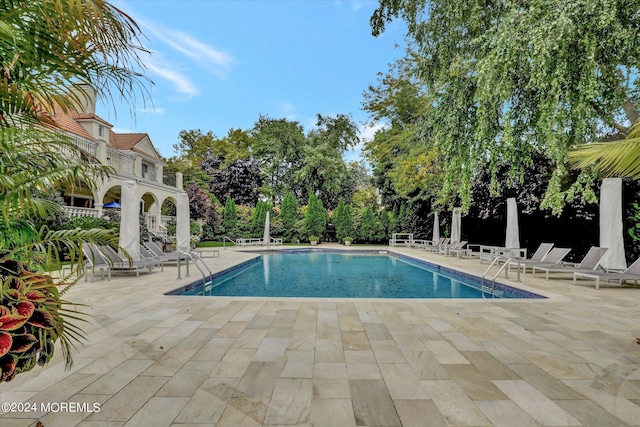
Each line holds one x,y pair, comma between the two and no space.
521,294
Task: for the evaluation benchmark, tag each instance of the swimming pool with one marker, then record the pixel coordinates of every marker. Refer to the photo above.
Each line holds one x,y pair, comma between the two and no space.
344,274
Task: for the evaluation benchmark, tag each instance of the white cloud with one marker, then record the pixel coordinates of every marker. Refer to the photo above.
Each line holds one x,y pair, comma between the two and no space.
355,5
122,130
151,110
181,82
214,60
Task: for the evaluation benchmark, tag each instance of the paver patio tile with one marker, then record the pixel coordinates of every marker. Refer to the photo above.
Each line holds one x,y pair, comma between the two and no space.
372,404
588,413
454,405
208,403
117,378
535,404
417,413
259,379
298,364
332,413
474,383
123,405
290,402
330,381
402,382
246,412
158,412
505,413
361,365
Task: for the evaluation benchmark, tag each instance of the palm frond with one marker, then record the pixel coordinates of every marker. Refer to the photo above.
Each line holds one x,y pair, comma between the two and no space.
615,159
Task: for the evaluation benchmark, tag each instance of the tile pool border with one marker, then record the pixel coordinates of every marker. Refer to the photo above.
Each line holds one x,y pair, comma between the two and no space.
516,292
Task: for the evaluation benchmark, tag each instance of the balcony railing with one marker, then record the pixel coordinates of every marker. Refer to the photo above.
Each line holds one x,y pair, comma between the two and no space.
86,145
120,161
75,211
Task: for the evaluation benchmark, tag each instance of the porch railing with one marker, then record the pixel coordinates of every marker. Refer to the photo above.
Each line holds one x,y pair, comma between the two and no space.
76,211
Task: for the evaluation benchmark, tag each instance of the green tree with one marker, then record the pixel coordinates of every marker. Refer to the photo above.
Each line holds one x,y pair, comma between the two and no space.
370,228
405,165
258,219
277,145
315,220
342,221
507,81
289,216
229,217
322,169
386,222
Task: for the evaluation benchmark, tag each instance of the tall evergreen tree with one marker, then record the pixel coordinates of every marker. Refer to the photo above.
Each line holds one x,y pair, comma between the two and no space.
386,222
315,219
343,221
370,228
230,216
289,216
258,219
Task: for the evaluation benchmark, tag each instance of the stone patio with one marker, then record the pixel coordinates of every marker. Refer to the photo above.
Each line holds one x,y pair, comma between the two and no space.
156,360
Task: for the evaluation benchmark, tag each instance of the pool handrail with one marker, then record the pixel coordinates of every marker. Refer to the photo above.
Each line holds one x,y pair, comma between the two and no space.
506,272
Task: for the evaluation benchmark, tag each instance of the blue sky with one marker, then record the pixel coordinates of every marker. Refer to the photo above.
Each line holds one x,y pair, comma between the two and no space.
219,64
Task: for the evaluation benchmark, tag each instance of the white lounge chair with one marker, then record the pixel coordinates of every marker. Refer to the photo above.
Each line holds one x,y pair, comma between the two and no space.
537,256
456,248
590,262
631,273
437,247
120,263
166,257
553,258
95,261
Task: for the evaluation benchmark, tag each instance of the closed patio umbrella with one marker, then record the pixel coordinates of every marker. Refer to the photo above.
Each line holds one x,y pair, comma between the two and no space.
611,230
436,227
512,238
266,237
456,224
183,222
130,219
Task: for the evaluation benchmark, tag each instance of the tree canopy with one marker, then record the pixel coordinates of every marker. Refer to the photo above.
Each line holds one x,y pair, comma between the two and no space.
505,81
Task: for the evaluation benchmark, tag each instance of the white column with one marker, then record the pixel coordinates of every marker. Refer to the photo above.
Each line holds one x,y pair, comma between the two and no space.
179,179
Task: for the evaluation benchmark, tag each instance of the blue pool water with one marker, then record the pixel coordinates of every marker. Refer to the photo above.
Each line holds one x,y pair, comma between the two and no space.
320,274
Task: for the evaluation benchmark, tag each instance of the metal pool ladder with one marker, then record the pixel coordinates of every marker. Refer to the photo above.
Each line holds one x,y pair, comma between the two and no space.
199,263
490,289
